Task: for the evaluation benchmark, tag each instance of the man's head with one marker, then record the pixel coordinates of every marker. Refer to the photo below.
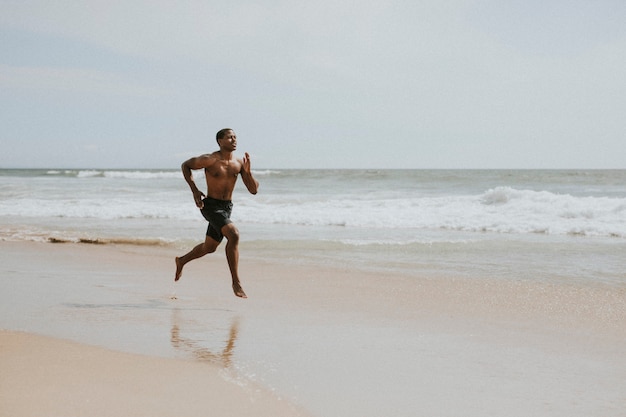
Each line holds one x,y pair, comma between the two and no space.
221,134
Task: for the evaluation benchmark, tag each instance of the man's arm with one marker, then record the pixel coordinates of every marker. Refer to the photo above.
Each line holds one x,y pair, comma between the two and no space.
194,163
246,175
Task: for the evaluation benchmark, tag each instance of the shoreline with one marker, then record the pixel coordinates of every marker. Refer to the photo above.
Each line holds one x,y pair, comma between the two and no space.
333,341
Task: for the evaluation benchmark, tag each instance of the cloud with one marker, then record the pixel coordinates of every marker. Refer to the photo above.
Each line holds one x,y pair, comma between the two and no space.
77,80
447,83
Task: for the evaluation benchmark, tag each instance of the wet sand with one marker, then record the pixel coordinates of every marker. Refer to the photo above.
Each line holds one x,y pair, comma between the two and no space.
330,341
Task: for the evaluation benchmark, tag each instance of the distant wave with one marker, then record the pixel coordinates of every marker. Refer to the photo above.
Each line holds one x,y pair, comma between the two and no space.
95,173
137,174
265,172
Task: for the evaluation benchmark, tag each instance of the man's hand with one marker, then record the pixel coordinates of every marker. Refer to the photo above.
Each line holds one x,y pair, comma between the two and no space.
198,196
246,163
246,175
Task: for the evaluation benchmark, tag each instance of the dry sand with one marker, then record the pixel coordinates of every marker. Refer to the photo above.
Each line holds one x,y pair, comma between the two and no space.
43,376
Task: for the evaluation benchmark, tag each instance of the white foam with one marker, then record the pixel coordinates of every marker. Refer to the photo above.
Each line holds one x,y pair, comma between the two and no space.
143,174
501,210
89,173
265,172
124,194
128,174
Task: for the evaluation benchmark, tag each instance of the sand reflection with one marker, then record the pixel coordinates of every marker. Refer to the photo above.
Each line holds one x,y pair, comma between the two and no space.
202,353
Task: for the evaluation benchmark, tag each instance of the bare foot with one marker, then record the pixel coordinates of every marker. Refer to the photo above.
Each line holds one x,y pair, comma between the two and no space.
179,269
239,291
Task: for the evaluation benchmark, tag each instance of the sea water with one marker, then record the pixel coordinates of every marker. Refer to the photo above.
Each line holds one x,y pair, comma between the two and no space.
512,224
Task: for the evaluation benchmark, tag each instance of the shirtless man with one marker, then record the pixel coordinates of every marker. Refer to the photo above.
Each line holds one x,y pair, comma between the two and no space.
221,169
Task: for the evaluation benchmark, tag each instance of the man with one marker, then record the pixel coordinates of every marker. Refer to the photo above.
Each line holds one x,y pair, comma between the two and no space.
221,169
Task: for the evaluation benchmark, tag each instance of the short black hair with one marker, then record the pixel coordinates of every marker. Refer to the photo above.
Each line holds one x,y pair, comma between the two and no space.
220,134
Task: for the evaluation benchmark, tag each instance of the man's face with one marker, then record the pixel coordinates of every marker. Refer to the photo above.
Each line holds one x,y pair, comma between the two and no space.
229,141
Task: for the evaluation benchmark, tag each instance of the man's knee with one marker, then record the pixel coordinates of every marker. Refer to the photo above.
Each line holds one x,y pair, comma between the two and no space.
231,233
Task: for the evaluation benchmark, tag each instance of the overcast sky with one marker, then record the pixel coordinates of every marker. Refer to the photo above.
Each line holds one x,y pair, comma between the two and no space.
317,84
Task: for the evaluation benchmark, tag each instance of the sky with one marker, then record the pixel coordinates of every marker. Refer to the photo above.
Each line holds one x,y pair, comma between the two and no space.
322,84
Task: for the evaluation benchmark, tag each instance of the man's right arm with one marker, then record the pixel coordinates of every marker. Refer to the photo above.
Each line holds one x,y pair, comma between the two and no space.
194,163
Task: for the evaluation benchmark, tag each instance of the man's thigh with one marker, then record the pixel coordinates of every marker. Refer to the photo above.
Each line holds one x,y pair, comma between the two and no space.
230,231
210,244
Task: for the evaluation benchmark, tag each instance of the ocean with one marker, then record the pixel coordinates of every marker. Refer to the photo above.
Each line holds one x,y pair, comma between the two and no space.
511,224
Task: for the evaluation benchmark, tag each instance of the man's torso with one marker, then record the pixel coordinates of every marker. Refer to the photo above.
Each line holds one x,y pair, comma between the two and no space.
221,176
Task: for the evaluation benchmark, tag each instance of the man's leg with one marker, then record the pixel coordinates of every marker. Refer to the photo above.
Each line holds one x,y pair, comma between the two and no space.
208,246
232,255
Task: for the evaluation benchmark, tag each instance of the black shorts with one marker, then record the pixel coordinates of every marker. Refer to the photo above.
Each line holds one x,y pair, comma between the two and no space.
217,212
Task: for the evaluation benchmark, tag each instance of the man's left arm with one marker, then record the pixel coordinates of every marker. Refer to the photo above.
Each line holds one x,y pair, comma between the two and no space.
246,175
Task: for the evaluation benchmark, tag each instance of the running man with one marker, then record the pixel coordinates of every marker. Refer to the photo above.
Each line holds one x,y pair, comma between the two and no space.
221,169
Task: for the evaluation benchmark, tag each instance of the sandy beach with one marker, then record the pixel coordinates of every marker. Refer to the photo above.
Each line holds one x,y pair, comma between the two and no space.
102,330
43,376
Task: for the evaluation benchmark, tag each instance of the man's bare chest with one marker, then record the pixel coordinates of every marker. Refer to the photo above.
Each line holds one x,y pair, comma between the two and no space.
222,170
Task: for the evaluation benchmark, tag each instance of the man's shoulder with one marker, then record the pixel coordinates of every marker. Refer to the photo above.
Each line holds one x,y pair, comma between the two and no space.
212,155
208,158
